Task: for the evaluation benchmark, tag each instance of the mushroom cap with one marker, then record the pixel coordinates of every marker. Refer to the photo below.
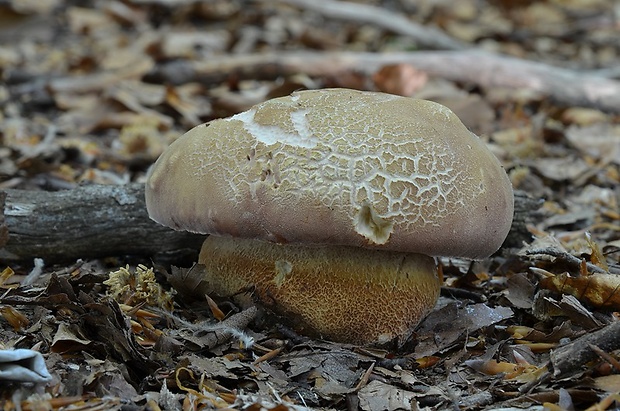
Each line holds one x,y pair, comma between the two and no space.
311,286
337,166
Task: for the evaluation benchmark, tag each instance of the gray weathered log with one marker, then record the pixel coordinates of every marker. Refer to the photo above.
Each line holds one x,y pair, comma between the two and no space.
86,222
100,221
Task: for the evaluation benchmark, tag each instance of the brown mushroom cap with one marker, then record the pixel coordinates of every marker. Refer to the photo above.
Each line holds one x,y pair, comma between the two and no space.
346,294
340,167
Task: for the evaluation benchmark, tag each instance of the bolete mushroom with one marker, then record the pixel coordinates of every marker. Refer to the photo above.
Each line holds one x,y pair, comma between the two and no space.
330,203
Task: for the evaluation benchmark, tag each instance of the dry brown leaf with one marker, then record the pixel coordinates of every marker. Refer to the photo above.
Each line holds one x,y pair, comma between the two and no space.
69,338
16,319
215,310
600,141
444,327
609,383
378,396
188,101
6,273
492,367
605,403
426,362
194,44
599,290
596,255
520,332
520,291
561,169
401,79
512,371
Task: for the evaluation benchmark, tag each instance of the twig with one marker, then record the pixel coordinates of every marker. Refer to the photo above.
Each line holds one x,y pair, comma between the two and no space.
426,37
611,360
568,258
210,335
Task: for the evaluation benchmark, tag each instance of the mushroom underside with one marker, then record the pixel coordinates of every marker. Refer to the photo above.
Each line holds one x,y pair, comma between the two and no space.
340,293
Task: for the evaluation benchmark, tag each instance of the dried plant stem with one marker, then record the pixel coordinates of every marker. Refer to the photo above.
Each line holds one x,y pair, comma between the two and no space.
211,335
570,259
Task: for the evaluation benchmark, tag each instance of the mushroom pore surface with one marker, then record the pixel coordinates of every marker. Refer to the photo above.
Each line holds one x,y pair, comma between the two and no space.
340,293
339,167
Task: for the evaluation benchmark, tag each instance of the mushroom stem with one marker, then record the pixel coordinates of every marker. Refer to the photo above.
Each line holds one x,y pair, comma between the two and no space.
340,293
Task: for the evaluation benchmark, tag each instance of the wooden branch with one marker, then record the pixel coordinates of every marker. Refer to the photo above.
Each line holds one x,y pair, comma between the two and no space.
561,85
425,37
87,222
100,221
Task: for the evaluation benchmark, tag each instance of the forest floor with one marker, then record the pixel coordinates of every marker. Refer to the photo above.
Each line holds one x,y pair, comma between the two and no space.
91,92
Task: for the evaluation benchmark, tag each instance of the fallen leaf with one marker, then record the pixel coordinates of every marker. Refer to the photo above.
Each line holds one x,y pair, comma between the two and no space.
401,79
609,383
512,371
599,290
16,319
379,396
444,327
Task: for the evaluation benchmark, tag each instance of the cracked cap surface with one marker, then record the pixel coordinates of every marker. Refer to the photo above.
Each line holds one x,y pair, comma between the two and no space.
337,166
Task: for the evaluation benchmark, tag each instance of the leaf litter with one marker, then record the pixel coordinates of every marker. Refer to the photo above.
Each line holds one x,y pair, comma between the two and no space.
90,96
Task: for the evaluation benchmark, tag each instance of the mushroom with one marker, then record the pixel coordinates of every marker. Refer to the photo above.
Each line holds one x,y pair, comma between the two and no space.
331,204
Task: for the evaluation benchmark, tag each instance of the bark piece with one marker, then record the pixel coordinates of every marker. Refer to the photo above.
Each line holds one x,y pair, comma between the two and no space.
569,359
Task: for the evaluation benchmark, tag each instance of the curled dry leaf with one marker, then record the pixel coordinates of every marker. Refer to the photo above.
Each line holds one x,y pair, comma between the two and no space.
6,273
69,338
205,395
599,290
583,116
15,318
596,255
380,396
401,79
445,326
520,332
599,141
521,372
